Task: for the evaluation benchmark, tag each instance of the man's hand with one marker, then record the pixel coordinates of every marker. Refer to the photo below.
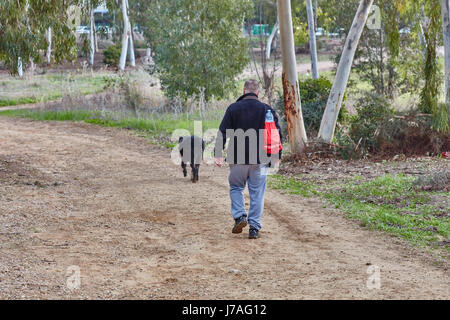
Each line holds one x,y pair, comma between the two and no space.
219,162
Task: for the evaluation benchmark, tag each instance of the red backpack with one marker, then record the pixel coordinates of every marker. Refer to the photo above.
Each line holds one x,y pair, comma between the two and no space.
272,141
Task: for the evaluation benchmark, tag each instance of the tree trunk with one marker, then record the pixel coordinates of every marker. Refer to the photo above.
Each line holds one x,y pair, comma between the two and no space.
95,39
19,67
312,40
125,35
445,10
423,42
91,36
49,48
328,124
270,40
148,54
131,44
292,102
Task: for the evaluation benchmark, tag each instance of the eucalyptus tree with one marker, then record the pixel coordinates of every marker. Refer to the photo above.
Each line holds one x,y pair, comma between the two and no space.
433,23
445,10
23,27
198,46
328,124
292,101
127,39
312,40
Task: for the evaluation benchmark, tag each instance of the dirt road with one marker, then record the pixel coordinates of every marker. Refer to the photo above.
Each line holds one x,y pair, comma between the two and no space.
105,202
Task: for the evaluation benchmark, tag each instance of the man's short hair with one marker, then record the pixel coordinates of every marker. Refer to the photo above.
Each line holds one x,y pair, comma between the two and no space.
251,86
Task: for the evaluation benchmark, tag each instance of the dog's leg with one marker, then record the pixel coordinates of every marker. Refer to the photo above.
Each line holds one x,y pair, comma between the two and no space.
196,168
183,165
193,173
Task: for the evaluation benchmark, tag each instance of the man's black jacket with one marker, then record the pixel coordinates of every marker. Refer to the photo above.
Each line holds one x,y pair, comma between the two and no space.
246,113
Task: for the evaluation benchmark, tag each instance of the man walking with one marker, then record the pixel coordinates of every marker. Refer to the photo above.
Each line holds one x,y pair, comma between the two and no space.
252,148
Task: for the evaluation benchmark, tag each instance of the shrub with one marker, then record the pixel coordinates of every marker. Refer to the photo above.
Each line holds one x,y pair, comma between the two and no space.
365,128
314,96
378,130
111,55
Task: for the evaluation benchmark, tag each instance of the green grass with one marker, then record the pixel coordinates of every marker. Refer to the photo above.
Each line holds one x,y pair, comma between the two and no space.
160,126
389,203
14,102
49,87
292,186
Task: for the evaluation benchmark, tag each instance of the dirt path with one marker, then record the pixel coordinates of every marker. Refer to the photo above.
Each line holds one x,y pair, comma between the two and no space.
114,206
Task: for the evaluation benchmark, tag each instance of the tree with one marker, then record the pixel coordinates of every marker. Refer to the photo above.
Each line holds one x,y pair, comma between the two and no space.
130,41
445,11
265,70
198,46
92,5
312,40
292,102
328,124
49,47
23,28
125,35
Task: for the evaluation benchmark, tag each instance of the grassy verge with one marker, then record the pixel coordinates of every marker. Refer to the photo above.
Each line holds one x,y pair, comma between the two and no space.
390,203
160,126
49,87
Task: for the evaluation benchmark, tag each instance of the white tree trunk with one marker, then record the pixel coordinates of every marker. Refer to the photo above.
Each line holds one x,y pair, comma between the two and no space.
91,36
19,67
49,48
445,10
131,42
95,39
125,35
270,40
148,54
329,119
131,47
292,102
312,40
423,42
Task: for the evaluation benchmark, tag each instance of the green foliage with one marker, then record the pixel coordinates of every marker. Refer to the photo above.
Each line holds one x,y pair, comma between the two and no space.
372,111
314,96
111,55
431,89
377,130
85,47
301,34
23,24
198,46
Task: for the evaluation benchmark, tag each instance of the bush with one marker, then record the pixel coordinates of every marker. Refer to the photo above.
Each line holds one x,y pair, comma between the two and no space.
378,130
111,55
314,96
372,112
84,46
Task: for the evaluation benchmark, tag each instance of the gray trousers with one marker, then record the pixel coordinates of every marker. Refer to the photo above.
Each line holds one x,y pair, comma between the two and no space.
256,176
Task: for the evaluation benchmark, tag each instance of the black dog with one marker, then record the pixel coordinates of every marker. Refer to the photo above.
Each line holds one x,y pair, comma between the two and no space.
191,151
